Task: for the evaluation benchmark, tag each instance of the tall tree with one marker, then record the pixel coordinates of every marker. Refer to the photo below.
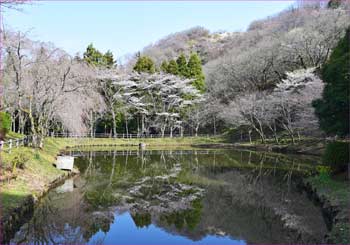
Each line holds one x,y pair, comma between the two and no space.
182,65
164,66
195,72
145,64
333,4
92,56
173,67
333,108
108,59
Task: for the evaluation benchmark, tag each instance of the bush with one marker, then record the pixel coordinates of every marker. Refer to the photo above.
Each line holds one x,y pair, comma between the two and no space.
337,156
5,122
19,161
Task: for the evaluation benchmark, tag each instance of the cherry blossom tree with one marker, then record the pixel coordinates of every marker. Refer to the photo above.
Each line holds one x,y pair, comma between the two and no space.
158,99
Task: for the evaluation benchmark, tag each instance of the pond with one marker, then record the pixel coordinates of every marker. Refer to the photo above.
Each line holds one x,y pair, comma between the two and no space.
178,196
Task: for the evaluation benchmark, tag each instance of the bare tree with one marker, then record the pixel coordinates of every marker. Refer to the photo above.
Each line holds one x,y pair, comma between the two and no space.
39,79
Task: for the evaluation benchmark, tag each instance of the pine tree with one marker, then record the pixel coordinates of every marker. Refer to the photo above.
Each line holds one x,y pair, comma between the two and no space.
164,66
182,65
92,56
333,108
173,68
108,59
145,64
195,71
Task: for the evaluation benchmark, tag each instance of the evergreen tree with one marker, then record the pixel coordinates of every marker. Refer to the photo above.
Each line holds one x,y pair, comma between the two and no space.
92,56
108,59
144,64
333,108
182,65
195,71
173,68
333,4
164,66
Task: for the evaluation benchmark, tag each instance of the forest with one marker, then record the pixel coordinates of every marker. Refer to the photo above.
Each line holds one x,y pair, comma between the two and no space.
276,79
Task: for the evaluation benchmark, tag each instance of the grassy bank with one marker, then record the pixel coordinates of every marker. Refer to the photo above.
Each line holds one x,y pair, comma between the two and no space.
38,171
309,146
334,194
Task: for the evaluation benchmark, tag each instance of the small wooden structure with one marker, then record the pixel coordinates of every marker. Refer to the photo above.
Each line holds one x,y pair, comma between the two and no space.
65,162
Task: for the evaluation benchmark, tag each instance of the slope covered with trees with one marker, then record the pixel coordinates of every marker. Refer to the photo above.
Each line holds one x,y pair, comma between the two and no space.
259,82
239,64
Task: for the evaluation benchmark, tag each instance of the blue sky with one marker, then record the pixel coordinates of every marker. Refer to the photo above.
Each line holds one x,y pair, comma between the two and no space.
126,27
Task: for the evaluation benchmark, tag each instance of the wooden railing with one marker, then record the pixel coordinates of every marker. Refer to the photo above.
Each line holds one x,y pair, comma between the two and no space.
125,136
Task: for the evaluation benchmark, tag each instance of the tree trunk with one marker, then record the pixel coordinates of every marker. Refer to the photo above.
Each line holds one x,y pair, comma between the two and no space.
13,124
20,123
250,135
138,127
126,126
33,130
274,131
114,124
143,124
261,132
91,125
214,123
292,138
162,130
196,130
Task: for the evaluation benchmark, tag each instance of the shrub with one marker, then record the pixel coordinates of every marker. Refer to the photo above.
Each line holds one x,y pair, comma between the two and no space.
19,161
337,156
5,122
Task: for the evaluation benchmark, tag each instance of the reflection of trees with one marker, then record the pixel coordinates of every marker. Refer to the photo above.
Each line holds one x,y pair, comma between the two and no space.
188,219
55,221
251,189
142,219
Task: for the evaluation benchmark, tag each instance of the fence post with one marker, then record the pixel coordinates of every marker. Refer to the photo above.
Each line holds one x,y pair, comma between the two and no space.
17,143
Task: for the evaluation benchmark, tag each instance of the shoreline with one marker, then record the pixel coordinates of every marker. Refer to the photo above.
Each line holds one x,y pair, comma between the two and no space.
282,148
12,221
334,214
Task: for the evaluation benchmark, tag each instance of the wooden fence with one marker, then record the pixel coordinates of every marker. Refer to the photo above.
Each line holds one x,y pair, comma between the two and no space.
15,143
125,136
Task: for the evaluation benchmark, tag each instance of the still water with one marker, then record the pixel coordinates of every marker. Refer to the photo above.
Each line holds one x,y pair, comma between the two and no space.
178,197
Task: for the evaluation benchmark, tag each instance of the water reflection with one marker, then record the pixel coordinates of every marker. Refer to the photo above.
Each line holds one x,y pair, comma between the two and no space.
178,196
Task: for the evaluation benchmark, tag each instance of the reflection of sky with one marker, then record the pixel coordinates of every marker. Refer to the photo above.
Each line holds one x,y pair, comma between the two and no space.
124,231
